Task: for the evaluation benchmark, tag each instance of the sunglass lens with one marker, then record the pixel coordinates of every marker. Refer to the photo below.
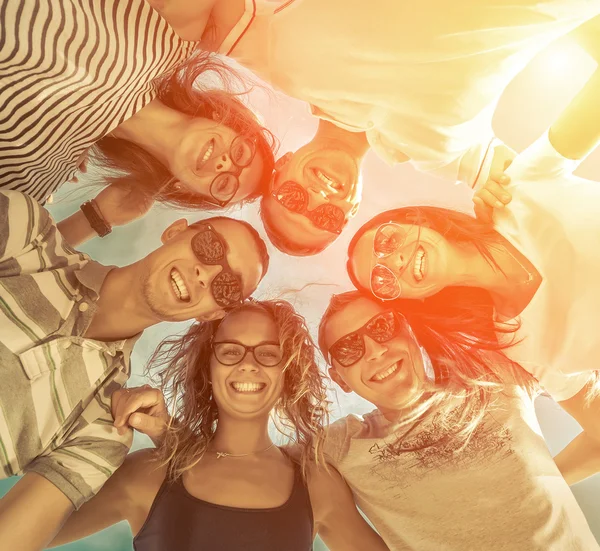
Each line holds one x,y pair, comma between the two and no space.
388,239
382,328
384,283
348,350
226,289
328,217
208,247
292,196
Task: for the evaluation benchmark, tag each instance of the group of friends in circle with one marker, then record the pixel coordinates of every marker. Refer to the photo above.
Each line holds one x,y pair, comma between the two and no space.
455,325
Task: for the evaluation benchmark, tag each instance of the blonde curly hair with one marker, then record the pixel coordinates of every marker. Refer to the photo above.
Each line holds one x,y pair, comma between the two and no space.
182,365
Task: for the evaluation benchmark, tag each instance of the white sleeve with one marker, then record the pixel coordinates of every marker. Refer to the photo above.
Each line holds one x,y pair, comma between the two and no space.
562,387
540,161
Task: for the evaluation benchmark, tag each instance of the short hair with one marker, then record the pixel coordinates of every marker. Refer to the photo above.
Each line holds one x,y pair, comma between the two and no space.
263,253
281,241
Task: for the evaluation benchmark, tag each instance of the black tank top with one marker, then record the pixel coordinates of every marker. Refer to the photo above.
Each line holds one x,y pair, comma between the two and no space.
179,521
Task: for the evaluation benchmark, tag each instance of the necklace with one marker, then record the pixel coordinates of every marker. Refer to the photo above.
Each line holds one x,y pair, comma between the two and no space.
225,454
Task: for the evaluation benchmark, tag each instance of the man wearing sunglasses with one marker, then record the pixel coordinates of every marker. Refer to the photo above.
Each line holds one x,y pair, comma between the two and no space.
412,472
67,329
416,81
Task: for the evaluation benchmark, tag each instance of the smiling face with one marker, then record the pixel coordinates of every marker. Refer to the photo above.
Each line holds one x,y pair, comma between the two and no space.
332,192
391,372
177,285
208,150
402,260
247,389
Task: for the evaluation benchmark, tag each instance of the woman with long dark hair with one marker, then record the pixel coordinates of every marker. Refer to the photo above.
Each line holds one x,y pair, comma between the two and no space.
217,481
537,264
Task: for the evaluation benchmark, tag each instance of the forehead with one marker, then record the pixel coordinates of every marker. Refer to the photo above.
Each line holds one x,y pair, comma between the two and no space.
243,256
350,318
248,326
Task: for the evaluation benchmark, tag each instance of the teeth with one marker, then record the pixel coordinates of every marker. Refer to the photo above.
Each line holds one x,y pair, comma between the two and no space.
179,286
327,180
385,374
209,151
419,264
248,387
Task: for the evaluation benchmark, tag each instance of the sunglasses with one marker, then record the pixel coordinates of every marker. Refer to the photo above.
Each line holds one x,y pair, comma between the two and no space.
267,354
294,198
224,186
389,238
350,348
211,249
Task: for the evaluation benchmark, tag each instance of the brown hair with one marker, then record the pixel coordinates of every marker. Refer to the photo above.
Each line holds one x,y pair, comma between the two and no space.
180,91
183,364
461,340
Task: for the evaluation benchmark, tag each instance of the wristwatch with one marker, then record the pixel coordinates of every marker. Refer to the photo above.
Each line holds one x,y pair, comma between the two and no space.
98,223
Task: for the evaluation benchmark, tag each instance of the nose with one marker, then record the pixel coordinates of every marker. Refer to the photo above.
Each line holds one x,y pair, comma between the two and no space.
223,163
395,262
316,197
248,364
204,274
373,349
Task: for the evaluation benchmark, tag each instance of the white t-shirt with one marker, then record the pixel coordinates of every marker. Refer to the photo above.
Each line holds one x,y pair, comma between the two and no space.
421,78
554,220
502,493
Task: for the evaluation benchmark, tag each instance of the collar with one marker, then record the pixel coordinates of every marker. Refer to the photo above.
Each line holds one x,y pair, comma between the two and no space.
92,276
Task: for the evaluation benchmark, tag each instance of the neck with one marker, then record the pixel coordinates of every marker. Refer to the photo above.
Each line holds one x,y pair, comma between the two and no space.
240,437
155,128
120,313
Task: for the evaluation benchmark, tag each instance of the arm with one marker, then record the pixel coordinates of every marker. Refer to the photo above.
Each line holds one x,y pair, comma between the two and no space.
128,495
581,457
576,132
33,501
337,519
588,37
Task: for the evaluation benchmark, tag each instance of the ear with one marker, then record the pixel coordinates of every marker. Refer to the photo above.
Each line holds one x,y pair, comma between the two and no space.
336,378
174,229
282,161
211,316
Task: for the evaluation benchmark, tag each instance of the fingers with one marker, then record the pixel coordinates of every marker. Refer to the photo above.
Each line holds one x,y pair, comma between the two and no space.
488,198
125,402
146,424
482,211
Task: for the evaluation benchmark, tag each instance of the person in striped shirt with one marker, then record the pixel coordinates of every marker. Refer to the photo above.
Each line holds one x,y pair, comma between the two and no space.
67,328
72,72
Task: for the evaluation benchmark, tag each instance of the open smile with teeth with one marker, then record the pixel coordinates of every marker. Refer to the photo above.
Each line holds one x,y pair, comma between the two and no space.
179,287
207,154
386,373
420,264
248,388
327,180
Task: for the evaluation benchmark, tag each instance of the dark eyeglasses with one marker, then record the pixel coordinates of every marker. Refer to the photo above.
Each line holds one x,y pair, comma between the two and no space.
385,284
383,327
267,354
294,198
210,248
225,185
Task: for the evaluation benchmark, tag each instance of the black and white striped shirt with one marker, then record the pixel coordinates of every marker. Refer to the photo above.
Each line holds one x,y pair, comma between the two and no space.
70,72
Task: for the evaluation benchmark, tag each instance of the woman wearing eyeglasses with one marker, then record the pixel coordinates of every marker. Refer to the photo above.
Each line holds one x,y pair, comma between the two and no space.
218,482
192,148
537,264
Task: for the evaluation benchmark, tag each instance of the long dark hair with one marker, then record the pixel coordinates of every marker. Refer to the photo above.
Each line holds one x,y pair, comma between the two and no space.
457,331
132,165
183,369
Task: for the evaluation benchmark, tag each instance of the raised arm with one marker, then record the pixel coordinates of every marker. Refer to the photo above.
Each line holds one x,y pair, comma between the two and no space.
337,519
576,132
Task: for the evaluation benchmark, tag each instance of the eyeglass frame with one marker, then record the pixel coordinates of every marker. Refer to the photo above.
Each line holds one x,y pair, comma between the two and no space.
305,210
225,267
235,174
246,350
374,265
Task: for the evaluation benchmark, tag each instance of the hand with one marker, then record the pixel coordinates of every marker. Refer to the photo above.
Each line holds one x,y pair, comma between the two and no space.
492,194
142,408
122,203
